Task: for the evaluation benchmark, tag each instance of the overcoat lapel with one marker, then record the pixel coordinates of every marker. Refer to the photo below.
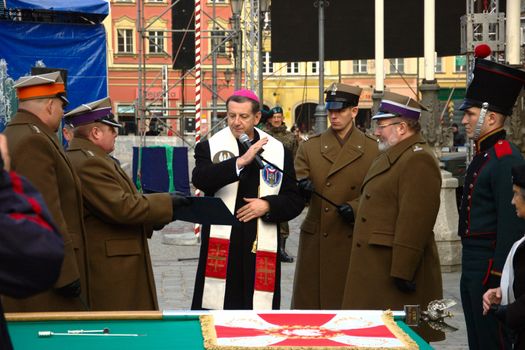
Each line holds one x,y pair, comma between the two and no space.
340,158
386,159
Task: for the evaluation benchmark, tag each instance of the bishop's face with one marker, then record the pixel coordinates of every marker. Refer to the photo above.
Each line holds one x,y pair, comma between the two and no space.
241,119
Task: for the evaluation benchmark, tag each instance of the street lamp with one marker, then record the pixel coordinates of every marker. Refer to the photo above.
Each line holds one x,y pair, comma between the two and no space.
236,6
320,110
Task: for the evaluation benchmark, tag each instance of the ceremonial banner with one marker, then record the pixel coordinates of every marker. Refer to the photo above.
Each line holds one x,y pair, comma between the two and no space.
308,330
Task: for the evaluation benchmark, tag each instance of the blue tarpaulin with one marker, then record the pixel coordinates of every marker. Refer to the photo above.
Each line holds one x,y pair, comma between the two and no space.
97,7
81,49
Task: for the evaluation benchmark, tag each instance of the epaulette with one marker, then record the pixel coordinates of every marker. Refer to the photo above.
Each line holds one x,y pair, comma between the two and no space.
502,148
371,137
312,136
89,153
35,128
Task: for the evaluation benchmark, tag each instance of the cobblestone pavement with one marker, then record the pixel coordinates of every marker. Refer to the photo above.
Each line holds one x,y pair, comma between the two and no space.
175,267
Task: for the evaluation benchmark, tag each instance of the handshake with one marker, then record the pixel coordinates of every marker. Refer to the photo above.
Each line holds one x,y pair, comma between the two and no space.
178,199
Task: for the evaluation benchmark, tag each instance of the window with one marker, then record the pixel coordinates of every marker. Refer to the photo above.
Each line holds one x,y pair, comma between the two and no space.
123,0
315,68
267,63
156,42
460,64
219,42
360,66
398,65
439,65
155,0
125,40
292,68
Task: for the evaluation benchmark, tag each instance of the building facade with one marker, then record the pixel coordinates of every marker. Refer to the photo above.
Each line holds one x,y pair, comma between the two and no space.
170,93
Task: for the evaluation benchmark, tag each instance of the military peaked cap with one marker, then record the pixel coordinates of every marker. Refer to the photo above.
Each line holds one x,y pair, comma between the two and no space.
339,96
396,105
47,85
96,111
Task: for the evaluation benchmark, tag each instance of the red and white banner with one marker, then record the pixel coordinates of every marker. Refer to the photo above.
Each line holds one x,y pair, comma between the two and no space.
301,330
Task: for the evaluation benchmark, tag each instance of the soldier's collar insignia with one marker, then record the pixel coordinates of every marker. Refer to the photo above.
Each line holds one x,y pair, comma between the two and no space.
417,148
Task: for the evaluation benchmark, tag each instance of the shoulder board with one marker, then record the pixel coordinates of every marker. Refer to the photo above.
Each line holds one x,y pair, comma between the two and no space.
311,137
502,148
89,153
35,128
371,137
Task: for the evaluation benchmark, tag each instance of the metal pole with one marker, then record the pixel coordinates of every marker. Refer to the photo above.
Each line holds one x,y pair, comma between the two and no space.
260,22
429,38
429,87
379,36
213,70
512,35
237,51
320,111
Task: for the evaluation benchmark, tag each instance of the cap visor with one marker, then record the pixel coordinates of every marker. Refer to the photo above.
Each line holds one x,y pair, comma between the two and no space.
111,122
466,105
381,115
64,99
334,105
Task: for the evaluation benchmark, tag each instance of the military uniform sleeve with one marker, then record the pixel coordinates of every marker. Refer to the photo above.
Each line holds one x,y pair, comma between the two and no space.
418,202
288,203
105,195
510,228
208,176
31,249
36,160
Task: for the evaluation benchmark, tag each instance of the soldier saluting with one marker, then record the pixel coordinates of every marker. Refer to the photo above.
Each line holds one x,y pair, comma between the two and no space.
488,225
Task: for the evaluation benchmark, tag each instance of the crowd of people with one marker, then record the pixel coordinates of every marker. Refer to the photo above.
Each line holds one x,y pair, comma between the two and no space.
74,234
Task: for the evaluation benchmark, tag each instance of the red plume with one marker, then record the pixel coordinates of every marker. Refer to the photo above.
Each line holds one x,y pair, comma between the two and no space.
482,51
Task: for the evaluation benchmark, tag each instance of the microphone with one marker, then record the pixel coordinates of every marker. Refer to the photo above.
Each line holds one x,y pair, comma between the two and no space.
245,141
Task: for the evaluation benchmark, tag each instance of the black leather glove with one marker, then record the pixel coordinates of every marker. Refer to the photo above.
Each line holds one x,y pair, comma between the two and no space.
178,200
499,311
346,212
158,227
404,285
306,188
71,290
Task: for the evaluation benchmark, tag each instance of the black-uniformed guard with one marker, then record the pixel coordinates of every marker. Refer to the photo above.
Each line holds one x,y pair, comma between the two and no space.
488,224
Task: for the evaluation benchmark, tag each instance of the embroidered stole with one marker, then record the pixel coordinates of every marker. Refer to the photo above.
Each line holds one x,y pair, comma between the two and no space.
223,145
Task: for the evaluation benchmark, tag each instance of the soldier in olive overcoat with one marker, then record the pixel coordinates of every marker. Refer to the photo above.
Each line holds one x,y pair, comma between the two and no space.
394,260
118,219
335,164
37,154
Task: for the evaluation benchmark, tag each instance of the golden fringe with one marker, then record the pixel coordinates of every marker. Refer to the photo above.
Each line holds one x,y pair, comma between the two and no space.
210,337
388,319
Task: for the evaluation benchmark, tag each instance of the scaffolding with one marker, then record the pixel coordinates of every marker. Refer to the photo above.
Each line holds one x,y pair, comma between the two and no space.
243,44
